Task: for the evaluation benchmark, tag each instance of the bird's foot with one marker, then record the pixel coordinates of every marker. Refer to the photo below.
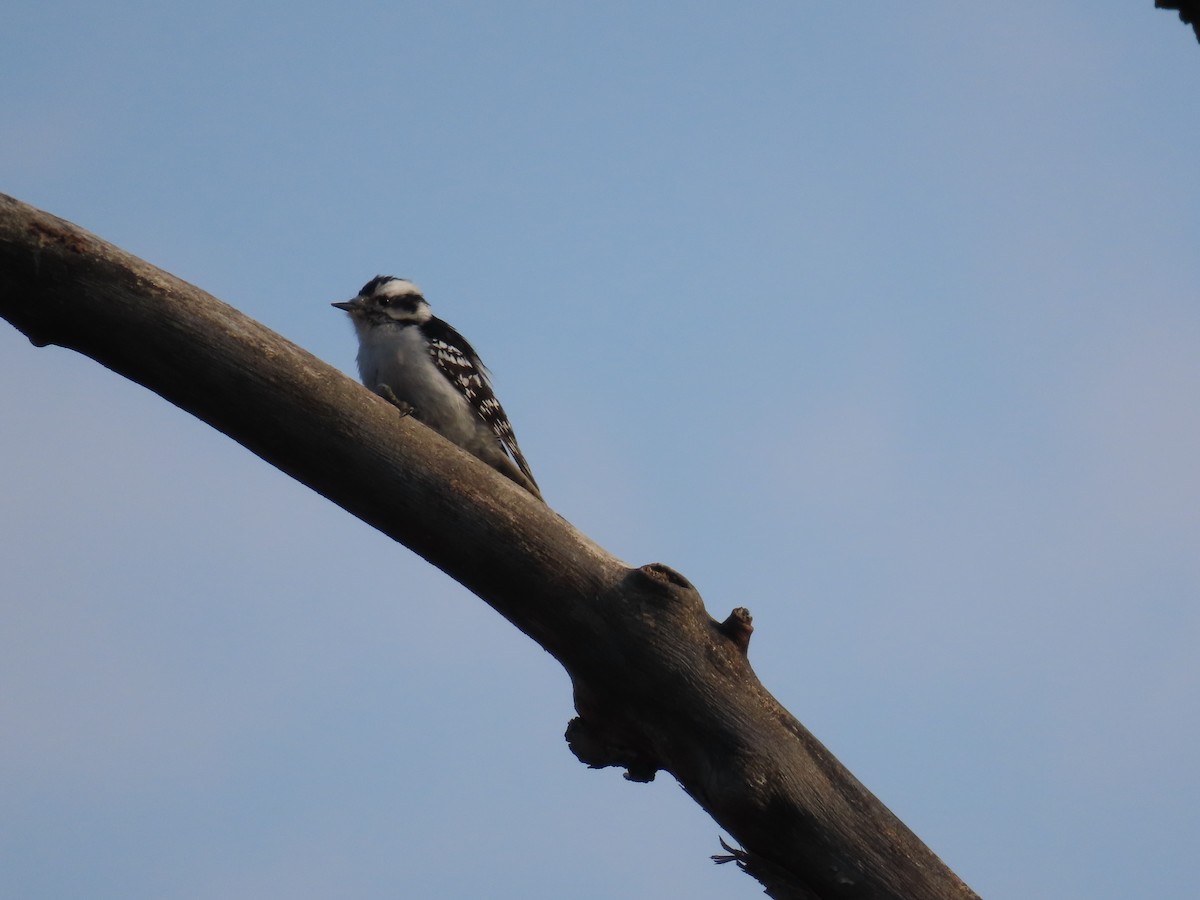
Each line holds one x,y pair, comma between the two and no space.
389,395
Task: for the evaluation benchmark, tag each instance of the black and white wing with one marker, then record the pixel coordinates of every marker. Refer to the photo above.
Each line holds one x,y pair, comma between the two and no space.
459,362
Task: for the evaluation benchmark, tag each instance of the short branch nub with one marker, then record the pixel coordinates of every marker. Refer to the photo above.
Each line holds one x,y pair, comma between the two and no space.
738,628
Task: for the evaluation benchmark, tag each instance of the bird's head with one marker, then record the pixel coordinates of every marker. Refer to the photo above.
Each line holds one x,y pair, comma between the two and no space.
386,299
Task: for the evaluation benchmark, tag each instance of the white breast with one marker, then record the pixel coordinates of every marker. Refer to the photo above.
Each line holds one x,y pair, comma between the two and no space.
398,357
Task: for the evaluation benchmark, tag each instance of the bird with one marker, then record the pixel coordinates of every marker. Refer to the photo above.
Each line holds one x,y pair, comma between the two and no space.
421,364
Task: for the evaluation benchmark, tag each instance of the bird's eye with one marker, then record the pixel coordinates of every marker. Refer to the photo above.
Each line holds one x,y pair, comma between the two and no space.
384,301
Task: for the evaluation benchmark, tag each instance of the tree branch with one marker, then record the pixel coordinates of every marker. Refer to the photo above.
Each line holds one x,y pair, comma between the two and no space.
659,685
1189,12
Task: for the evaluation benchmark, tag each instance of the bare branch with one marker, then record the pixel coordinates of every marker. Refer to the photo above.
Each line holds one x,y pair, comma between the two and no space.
659,684
1189,12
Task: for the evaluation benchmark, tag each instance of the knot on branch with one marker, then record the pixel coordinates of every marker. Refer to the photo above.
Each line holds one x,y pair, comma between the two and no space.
665,583
738,628
664,575
598,746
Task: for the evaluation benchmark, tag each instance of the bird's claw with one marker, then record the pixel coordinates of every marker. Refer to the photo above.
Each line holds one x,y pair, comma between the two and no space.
389,395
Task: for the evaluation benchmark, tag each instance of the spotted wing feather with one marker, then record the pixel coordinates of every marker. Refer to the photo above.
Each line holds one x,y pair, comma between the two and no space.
459,362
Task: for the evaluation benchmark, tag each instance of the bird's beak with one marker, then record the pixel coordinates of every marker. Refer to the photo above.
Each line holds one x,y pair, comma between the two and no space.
347,305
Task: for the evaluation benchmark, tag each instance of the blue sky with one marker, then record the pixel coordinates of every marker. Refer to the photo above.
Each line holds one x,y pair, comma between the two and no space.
882,323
